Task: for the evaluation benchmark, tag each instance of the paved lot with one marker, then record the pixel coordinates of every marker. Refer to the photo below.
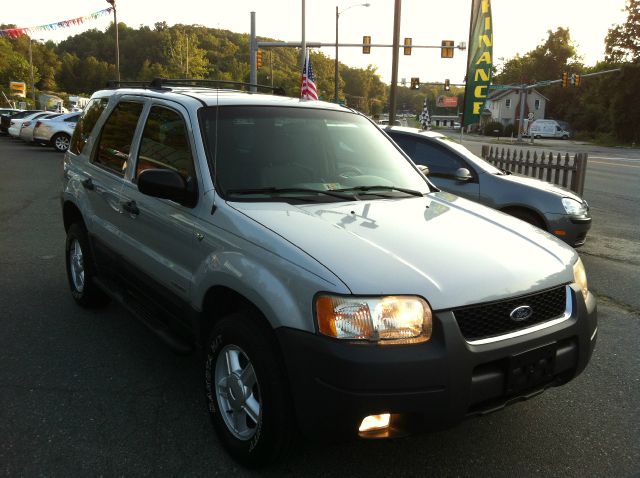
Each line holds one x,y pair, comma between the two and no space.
94,394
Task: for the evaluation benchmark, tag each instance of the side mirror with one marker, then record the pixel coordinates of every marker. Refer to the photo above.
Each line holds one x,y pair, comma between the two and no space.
423,169
163,183
463,174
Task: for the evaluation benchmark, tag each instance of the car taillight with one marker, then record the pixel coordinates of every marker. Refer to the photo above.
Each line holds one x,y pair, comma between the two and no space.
26,123
38,123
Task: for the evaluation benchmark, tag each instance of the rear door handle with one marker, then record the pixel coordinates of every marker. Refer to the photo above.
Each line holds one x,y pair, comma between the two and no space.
131,208
88,184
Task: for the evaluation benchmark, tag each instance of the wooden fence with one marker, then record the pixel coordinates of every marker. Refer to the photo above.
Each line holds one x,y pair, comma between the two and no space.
565,171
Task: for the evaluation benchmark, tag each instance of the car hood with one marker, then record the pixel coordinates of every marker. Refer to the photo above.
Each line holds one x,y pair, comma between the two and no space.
451,251
541,185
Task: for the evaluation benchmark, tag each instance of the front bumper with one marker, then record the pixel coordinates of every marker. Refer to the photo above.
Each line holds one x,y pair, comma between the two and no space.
570,229
424,386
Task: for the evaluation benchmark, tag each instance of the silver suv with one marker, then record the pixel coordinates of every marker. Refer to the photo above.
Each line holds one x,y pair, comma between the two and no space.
331,288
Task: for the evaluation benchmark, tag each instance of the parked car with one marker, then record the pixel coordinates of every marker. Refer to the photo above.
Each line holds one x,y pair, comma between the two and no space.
331,288
457,170
27,127
543,128
5,119
15,124
56,132
9,111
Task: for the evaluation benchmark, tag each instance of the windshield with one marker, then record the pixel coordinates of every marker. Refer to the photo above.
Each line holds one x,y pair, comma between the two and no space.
277,153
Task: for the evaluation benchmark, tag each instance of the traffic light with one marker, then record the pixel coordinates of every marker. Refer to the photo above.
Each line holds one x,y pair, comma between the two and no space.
415,83
576,80
565,79
447,85
366,49
447,49
407,46
259,59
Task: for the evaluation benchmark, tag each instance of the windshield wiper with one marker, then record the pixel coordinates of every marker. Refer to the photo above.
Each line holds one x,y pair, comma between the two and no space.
411,192
289,191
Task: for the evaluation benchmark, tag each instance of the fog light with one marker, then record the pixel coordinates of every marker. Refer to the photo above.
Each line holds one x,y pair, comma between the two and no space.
375,422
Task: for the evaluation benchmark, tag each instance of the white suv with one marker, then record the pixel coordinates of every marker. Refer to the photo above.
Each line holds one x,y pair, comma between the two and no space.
56,131
330,287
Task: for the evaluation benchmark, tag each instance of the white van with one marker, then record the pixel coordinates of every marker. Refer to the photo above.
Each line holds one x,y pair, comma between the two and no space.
548,129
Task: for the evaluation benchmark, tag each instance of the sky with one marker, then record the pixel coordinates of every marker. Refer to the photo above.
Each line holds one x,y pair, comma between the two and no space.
519,25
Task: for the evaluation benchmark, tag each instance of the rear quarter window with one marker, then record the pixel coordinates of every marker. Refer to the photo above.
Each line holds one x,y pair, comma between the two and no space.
86,123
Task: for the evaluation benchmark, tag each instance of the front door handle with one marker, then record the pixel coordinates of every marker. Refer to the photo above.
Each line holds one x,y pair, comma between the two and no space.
131,208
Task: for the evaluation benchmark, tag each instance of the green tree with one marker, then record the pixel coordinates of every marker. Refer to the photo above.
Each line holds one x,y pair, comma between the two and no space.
622,43
184,57
149,71
547,61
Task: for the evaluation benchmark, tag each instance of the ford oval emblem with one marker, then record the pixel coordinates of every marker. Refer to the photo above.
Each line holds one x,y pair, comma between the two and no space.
521,313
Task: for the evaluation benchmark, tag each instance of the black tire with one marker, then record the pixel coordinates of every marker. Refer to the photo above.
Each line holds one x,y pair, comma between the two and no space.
527,216
60,142
86,294
269,438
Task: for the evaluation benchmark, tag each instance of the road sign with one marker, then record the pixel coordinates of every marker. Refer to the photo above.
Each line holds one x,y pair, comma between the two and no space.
502,87
18,88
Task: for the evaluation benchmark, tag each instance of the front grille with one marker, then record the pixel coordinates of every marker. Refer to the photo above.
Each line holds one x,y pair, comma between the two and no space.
489,320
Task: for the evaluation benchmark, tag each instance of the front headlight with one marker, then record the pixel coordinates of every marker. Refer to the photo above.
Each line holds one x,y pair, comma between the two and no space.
573,207
386,320
580,278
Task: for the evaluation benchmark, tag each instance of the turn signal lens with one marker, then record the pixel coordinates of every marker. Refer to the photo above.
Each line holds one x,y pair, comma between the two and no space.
386,320
580,278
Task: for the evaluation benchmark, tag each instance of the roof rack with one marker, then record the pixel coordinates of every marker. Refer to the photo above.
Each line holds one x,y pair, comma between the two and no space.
164,83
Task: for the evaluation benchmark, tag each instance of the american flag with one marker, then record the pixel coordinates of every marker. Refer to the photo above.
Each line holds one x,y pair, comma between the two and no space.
308,90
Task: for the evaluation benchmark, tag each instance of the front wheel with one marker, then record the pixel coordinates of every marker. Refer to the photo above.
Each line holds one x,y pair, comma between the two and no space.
247,394
61,142
527,216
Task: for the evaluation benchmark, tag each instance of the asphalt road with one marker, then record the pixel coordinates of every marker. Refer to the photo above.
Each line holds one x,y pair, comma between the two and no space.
95,394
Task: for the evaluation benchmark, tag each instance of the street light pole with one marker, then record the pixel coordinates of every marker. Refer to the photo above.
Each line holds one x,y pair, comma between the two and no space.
115,22
336,68
394,61
33,88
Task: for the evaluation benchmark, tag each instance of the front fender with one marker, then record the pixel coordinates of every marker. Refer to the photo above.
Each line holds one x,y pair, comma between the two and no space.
280,289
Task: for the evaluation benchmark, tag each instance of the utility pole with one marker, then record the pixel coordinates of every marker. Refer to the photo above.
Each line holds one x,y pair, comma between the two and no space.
115,24
253,48
394,61
187,75
337,75
303,43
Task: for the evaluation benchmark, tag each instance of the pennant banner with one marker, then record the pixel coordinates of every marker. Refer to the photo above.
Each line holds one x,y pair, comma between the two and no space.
479,61
16,32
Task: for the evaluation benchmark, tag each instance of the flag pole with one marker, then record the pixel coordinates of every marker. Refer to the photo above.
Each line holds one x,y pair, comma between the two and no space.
466,79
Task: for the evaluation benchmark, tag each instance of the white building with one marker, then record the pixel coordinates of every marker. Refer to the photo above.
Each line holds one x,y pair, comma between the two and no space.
504,105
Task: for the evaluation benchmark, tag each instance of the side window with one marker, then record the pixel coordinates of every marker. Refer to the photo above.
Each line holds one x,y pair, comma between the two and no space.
72,119
116,137
407,143
86,123
165,144
441,161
